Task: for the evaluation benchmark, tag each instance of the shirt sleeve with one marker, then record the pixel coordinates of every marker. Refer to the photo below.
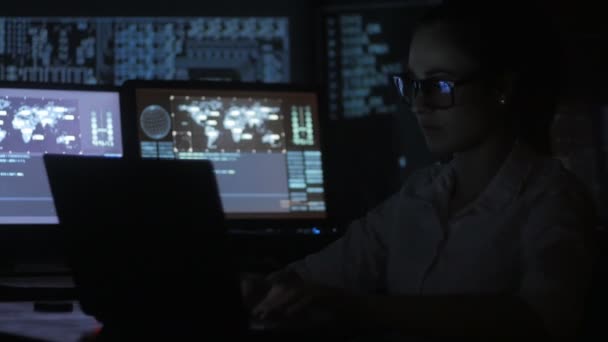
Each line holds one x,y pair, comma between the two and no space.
357,260
557,259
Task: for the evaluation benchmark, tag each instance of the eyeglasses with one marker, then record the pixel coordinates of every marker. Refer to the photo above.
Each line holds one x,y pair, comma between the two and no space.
437,93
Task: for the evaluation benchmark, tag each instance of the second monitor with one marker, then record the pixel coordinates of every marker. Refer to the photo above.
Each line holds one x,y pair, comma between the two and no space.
42,119
264,143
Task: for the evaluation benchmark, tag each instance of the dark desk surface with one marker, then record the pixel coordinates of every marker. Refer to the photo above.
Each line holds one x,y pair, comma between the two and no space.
18,317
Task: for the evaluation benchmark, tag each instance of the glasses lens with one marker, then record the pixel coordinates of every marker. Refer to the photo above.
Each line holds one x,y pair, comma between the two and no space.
437,93
399,85
406,88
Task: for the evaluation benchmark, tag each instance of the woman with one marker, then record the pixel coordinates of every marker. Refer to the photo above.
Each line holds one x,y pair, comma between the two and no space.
492,243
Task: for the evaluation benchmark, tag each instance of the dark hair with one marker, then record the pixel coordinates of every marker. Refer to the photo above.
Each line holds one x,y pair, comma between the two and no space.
510,37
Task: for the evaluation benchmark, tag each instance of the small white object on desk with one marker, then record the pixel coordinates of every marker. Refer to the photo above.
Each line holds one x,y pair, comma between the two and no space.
19,318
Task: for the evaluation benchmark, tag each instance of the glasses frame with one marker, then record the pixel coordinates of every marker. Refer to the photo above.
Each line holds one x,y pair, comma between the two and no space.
399,82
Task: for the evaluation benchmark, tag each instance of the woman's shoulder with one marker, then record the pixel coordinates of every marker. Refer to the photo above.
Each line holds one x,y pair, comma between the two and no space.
551,183
550,177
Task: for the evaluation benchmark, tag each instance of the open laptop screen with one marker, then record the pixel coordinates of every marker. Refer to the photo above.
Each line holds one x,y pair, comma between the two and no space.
264,145
34,122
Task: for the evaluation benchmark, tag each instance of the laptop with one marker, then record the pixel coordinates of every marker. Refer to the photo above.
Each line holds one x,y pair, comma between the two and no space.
146,244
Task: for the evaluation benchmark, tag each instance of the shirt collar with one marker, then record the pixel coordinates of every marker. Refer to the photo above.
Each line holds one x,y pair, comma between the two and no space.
506,184
510,180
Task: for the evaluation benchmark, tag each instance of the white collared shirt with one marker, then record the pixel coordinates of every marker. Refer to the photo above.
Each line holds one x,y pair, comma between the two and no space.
526,235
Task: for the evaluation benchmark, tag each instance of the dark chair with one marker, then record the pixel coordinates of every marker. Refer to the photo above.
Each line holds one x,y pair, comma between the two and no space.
594,324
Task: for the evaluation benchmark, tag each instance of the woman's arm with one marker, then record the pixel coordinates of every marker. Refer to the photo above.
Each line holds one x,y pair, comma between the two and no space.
427,316
357,260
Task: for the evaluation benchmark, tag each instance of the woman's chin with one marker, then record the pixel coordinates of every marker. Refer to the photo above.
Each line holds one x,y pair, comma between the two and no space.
438,147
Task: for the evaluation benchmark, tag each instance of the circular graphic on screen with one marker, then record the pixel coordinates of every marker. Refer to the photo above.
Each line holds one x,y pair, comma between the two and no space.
155,122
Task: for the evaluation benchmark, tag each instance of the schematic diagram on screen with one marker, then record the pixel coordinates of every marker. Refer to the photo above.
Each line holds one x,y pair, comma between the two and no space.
111,50
227,124
39,125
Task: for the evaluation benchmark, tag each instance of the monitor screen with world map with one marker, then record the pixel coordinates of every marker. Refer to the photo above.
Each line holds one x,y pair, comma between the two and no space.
264,144
34,122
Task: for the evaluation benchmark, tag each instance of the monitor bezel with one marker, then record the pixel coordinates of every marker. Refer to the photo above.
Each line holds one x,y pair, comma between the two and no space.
34,242
260,225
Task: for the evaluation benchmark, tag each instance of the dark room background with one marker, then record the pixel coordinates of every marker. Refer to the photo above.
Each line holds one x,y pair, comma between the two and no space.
372,144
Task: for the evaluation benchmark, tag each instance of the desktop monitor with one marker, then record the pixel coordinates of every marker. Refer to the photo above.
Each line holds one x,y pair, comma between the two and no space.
36,120
109,50
365,43
263,141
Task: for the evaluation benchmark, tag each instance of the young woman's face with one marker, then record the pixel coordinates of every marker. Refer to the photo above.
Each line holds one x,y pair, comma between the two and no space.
474,115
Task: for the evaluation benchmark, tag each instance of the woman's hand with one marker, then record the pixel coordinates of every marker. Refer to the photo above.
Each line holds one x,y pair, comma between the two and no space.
254,288
291,296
